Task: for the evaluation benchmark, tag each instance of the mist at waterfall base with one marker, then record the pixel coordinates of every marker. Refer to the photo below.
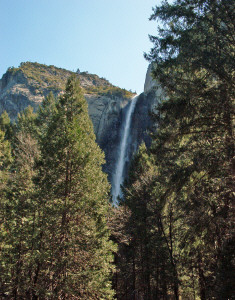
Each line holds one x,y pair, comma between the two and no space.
122,153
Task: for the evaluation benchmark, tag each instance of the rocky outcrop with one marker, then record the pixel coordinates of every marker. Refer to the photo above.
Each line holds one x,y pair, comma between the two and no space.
147,102
16,94
142,123
31,82
107,104
104,112
151,85
107,116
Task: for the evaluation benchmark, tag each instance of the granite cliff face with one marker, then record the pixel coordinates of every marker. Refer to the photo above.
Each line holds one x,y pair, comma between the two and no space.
142,122
31,82
107,104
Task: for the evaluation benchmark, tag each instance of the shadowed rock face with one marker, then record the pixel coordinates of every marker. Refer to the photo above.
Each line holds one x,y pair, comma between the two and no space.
26,86
29,84
16,94
107,116
142,122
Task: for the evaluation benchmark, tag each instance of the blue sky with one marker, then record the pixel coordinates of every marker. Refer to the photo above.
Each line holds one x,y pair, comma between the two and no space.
105,37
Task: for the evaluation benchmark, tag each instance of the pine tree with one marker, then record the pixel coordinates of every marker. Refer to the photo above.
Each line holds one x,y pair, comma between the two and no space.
5,160
194,146
74,199
18,218
45,113
26,121
145,262
6,126
54,205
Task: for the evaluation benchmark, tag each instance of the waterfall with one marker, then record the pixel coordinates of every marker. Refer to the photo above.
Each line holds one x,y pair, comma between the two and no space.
119,176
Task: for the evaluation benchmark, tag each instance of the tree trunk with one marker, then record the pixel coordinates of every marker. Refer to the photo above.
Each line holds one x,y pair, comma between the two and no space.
134,278
202,285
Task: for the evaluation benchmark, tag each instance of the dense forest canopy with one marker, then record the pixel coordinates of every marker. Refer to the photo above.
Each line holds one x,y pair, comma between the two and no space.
172,236
179,196
54,204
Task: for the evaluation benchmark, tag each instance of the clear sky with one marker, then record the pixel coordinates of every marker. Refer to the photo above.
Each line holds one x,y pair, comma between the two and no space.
104,37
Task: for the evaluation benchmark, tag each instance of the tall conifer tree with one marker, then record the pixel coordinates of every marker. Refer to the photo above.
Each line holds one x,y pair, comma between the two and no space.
75,204
193,149
18,214
193,58
54,205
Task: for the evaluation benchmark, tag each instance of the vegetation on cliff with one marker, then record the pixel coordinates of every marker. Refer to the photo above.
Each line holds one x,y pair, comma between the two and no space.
45,78
109,91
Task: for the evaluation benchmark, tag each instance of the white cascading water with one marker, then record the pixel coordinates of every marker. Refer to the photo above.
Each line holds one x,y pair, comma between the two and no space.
118,176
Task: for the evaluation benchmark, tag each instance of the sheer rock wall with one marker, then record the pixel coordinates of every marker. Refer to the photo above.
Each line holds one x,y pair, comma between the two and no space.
17,91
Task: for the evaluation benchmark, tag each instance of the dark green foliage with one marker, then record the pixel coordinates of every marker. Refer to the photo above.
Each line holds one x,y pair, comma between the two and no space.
146,263
75,195
54,239
18,213
188,205
194,59
26,121
45,114
6,126
5,160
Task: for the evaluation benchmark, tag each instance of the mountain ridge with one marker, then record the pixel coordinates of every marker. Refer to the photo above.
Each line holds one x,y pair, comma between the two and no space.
107,104
34,81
